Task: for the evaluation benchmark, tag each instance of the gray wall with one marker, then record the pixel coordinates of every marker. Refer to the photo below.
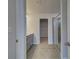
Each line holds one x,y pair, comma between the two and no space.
12,29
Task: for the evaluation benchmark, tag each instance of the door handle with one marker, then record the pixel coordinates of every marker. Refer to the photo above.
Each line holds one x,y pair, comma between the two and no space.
16,41
67,44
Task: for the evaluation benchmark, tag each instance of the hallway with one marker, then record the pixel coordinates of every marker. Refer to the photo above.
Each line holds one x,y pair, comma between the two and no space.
44,51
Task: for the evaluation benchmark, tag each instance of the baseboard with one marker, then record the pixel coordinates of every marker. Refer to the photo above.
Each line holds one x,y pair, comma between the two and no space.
43,37
36,43
50,43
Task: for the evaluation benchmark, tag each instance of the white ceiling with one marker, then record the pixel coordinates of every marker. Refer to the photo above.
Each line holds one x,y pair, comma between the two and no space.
42,6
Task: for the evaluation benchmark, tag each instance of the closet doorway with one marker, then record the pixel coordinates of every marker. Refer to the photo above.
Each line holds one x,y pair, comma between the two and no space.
44,31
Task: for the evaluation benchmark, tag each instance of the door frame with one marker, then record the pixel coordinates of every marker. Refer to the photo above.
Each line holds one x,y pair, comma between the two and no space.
56,18
24,34
64,26
50,33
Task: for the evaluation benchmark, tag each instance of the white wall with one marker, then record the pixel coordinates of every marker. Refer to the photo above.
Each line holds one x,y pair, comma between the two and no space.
11,29
33,26
43,6
29,25
50,30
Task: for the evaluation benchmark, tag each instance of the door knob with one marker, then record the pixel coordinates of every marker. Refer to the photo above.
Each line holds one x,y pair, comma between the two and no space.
16,41
67,44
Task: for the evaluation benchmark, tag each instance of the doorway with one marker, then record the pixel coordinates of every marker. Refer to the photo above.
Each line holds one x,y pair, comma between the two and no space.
43,30
32,13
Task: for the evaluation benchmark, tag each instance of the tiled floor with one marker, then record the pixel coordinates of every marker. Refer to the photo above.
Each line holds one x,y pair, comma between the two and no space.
44,51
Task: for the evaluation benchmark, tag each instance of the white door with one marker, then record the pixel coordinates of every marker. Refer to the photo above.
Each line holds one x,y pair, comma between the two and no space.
20,30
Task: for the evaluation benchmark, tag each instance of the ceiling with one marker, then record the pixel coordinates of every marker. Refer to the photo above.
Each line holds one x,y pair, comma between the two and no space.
42,6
